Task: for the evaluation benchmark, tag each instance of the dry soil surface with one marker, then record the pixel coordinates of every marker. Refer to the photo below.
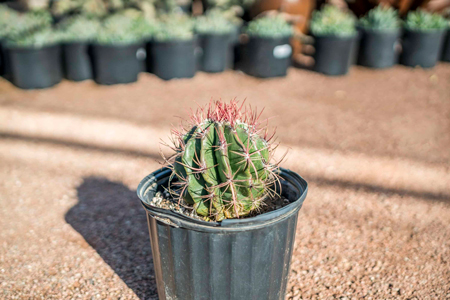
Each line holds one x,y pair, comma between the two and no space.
72,227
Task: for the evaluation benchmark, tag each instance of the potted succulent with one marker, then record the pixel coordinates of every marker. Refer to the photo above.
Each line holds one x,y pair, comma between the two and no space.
334,35
380,29
119,49
215,34
35,59
77,34
233,16
222,216
7,17
173,48
268,51
14,25
423,39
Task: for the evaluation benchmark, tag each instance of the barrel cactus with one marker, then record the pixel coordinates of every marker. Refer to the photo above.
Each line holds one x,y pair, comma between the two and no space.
222,162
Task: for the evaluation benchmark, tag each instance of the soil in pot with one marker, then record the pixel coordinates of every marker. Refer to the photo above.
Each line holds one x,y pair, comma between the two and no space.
195,259
446,49
216,52
118,64
377,48
421,48
173,59
35,68
266,57
333,54
77,61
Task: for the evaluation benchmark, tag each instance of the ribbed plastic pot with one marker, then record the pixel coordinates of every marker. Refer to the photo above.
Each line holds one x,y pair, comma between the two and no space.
266,57
173,59
333,54
446,50
33,68
237,259
216,50
421,48
118,64
377,48
77,61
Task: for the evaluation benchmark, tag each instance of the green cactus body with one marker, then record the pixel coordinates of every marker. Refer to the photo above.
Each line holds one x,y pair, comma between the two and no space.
222,165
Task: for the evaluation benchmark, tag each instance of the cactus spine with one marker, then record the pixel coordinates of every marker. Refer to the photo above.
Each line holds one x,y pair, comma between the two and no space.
222,162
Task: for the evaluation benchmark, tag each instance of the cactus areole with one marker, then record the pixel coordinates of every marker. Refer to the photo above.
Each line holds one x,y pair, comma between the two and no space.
222,162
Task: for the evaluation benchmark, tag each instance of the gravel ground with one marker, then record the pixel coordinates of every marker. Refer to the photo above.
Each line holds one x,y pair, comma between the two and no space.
72,227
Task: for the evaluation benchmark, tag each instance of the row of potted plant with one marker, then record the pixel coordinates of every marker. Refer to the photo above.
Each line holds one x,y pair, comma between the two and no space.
341,40
120,46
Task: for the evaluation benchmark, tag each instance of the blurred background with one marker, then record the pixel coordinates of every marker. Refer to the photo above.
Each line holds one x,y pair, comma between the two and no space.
359,92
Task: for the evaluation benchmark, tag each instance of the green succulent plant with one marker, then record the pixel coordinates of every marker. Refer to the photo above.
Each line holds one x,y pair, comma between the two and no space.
227,4
100,8
381,18
8,17
125,29
421,20
172,6
214,23
221,166
269,27
79,29
37,39
330,20
232,14
25,24
172,27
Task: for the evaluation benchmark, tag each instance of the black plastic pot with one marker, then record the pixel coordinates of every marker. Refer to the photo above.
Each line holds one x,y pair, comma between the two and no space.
116,64
446,49
266,57
2,58
377,48
234,55
333,54
35,68
173,59
237,259
421,48
216,52
77,61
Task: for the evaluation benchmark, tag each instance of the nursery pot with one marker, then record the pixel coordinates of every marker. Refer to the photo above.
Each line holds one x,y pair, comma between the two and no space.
234,55
35,68
77,61
333,54
377,48
115,64
2,58
173,59
421,48
446,48
266,57
216,52
237,259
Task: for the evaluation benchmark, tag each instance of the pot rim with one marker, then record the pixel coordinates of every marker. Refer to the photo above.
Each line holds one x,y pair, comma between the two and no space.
148,186
175,41
270,38
396,31
24,49
426,31
336,37
118,45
